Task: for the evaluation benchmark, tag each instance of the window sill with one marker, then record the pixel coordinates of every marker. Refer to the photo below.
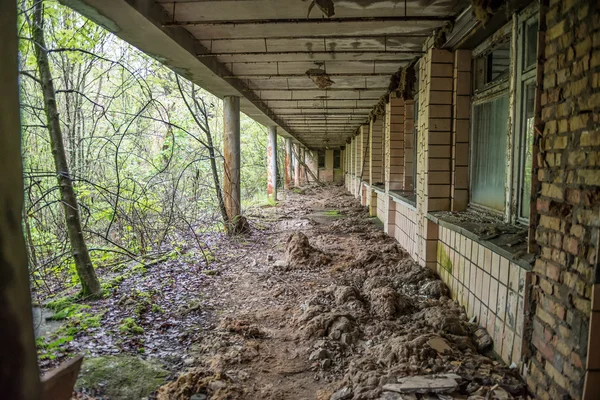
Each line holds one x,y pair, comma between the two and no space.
378,188
510,241
407,197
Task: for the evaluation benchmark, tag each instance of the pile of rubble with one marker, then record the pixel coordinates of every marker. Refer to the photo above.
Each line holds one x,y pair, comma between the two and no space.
383,328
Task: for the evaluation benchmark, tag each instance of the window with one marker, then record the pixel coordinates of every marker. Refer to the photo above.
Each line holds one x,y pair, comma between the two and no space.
526,93
493,67
489,127
337,159
489,134
503,112
321,159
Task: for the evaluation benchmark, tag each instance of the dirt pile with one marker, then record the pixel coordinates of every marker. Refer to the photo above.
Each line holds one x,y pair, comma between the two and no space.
300,254
354,318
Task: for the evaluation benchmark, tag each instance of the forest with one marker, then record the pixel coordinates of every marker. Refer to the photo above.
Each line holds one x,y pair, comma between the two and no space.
122,168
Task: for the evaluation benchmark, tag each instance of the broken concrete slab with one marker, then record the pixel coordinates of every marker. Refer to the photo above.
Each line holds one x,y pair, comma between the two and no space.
439,344
442,383
482,339
342,394
397,396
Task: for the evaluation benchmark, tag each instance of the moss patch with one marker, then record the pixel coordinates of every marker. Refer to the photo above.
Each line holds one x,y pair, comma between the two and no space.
443,259
121,377
333,213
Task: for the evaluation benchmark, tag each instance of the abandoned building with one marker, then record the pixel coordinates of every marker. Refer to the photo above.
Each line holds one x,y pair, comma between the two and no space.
472,132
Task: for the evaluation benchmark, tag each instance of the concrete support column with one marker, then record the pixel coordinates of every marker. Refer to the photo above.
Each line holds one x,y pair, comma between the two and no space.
296,165
460,129
272,163
288,163
357,164
395,171
409,143
434,148
231,156
375,145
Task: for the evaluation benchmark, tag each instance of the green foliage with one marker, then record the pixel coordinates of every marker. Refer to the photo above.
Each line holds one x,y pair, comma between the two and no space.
129,326
332,213
121,377
141,169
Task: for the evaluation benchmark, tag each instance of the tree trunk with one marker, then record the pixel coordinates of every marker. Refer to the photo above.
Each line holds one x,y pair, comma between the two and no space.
19,375
307,169
215,174
87,276
205,127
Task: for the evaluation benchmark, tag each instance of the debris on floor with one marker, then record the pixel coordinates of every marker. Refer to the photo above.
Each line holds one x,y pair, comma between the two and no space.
336,310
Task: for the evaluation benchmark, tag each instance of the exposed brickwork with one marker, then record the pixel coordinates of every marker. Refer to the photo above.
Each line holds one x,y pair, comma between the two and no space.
384,148
409,152
395,137
434,147
569,201
365,166
375,170
357,163
461,113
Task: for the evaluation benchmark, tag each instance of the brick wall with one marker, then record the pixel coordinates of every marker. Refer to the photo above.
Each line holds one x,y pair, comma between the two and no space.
395,139
461,114
434,147
568,204
357,163
365,166
409,152
383,152
375,148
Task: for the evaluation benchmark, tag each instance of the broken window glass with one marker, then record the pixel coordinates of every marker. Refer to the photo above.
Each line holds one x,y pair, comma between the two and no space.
321,159
531,34
493,66
488,173
337,159
526,149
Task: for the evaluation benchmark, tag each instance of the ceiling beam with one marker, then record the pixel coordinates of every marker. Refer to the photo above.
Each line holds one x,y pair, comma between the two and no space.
319,21
324,108
333,37
382,89
308,53
268,76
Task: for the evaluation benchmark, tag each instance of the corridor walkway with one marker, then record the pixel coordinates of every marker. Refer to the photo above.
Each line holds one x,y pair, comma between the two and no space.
319,303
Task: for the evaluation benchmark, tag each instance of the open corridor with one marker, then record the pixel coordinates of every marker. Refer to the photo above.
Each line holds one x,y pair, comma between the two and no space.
319,303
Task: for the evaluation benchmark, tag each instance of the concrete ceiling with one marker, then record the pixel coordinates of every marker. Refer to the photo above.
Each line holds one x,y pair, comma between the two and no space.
261,50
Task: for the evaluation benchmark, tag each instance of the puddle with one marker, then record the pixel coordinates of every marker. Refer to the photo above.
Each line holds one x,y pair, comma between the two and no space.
42,326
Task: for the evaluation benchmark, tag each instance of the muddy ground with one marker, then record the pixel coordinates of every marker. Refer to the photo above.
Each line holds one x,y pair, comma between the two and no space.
326,306
316,303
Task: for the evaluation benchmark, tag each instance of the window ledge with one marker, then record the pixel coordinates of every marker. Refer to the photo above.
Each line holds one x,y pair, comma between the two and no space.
378,188
508,240
407,197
